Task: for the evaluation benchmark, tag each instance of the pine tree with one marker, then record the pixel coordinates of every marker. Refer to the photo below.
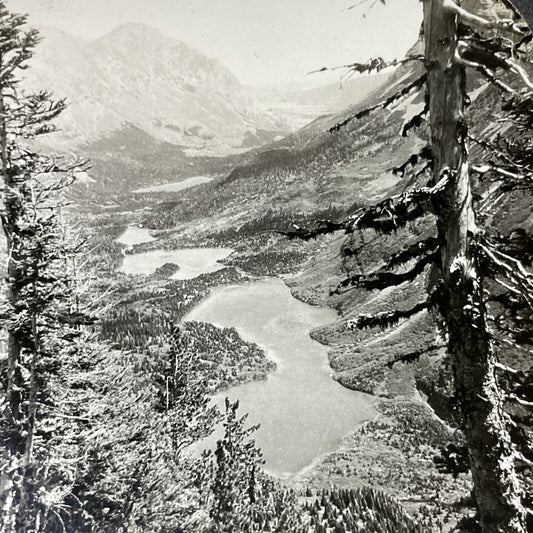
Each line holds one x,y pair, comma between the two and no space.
463,259
237,465
38,313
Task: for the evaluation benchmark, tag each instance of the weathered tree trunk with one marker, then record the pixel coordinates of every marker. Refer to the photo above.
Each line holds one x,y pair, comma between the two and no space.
496,487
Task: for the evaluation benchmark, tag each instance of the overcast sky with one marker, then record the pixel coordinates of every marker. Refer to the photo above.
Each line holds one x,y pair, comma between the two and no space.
263,42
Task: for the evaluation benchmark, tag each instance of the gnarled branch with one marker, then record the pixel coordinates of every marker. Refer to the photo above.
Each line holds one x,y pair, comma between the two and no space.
382,279
396,211
476,21
415,250
416,84
417,120
385,319
414,159
376,63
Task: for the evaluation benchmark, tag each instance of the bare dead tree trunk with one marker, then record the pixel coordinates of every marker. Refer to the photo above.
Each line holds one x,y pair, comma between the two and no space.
496,488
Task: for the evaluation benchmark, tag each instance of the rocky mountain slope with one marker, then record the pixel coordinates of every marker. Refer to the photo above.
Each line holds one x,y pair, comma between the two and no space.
148,109
137,75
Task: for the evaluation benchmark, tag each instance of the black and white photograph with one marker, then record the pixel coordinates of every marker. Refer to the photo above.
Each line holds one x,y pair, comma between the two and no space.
266,266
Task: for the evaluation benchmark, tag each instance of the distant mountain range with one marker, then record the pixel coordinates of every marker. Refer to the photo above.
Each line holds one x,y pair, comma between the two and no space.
135,76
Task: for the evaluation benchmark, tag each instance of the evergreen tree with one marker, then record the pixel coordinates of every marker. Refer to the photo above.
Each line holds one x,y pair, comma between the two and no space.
237,468
38,313
239,495
463,258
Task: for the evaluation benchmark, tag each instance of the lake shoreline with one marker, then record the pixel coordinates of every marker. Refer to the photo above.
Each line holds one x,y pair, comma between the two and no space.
393,449
276,387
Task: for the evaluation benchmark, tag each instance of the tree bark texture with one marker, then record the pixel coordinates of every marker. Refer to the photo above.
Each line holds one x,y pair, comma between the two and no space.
496,488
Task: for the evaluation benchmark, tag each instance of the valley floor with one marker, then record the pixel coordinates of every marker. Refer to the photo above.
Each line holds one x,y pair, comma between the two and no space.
393,452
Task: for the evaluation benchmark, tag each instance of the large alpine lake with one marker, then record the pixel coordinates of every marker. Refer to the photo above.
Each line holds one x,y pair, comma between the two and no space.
303,413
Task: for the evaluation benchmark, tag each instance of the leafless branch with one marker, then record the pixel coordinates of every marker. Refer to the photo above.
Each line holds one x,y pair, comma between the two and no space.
470,19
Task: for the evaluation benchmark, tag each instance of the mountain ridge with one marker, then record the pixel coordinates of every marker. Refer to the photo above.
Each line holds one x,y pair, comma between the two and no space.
138,75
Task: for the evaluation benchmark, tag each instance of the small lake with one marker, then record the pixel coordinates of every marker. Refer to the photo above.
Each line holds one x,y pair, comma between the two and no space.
303,413
134,235
175,186
191,261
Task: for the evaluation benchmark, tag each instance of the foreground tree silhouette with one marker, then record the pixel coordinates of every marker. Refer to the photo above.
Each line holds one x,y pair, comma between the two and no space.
38,312
240,497
463,258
